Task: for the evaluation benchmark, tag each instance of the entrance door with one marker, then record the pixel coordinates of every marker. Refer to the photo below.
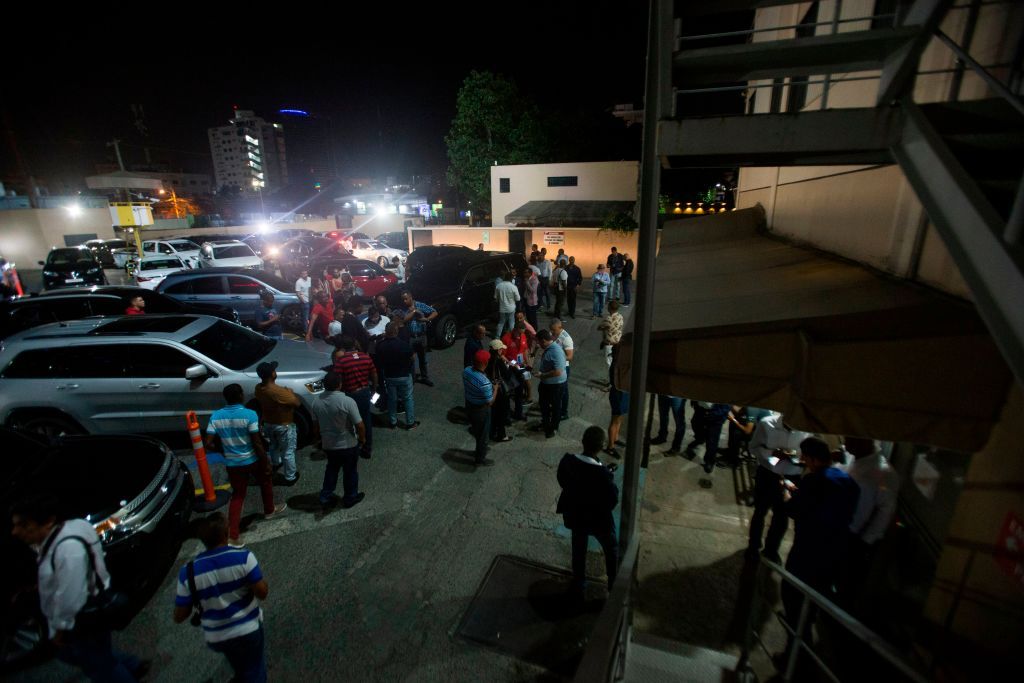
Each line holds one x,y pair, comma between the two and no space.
518,241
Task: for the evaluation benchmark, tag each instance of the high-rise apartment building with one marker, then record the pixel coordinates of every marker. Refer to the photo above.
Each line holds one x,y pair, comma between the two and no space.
249,153
311,162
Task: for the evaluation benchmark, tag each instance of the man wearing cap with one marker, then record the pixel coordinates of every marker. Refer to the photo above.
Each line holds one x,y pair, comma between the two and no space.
480,395
500,374
277,408
552,377
358,380
268,320
342,433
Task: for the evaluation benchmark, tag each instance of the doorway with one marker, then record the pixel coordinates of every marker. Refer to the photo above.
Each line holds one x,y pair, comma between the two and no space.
518,240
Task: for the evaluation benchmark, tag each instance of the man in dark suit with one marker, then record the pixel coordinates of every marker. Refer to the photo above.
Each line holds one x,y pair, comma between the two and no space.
589,495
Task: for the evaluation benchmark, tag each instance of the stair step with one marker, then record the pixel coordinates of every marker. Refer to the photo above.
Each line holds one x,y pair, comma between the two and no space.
838,53
650,659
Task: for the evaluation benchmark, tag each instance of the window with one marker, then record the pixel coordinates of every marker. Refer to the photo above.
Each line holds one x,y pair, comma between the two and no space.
104,305
165,248
161,263
179,288
157,360
243,285
233,251
208,285
71,362
361,270
563,181
504,184
485,273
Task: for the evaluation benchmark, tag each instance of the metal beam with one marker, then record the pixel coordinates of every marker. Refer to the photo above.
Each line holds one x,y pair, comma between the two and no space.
687,8
972,231
900,67
840,53
831,137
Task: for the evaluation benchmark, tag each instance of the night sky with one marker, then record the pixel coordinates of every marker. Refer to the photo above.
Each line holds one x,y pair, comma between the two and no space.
387,79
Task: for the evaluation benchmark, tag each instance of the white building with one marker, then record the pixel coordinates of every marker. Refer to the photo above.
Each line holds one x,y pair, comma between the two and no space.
249,153
512,187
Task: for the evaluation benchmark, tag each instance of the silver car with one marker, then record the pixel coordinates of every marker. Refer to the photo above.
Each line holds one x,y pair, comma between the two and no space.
142,373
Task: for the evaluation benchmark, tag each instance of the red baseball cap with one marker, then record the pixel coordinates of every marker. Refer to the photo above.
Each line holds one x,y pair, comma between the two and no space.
482,356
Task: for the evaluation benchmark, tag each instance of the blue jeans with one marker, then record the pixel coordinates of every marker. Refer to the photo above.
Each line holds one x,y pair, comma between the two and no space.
543,298
599,303
676,405
613,290
400,389
480,426
345,460
95,655
245,655
305,316
506,321
362,399
282,440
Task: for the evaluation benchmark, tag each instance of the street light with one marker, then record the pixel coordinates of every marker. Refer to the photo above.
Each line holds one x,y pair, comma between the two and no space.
74,210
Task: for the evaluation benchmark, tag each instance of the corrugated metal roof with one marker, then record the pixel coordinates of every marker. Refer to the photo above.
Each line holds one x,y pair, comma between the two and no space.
567,212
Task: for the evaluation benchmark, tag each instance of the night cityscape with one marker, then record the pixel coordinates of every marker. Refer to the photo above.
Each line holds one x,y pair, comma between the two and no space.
737,288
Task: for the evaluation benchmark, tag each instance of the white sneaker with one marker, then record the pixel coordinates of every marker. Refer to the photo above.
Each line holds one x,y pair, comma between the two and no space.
278,509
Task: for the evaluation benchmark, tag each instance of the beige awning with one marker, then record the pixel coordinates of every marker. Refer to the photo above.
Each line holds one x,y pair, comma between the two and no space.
743,318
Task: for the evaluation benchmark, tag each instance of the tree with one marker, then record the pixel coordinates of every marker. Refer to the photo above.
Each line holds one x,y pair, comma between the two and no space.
493,122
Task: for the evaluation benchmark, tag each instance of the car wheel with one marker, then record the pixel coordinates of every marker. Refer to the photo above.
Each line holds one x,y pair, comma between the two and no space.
51,427
291,317
382,262
445,331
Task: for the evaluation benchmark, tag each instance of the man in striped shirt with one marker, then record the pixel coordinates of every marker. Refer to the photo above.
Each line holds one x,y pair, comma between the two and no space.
358,381
480,395
225,585
237,428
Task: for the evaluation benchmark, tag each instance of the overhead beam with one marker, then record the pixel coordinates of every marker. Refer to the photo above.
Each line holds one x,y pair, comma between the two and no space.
830,137
900,67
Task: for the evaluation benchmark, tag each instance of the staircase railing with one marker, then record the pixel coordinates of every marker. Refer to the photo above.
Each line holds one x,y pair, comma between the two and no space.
810,598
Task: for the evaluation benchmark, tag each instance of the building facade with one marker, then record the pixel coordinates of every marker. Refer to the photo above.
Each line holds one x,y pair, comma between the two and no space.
249,154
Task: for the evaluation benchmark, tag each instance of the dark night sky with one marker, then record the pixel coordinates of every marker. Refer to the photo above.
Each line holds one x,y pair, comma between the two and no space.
391,75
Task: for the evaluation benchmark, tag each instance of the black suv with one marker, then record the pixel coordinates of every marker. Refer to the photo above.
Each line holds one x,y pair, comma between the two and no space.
82,302
460,284
70,267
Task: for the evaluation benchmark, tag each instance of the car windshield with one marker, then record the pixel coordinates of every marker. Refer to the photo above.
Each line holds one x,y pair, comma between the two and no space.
233,346
272,280
160,264
232,251
64,257
115,244
184,245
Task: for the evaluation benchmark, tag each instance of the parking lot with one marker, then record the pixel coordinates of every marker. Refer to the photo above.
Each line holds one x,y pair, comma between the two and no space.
374,592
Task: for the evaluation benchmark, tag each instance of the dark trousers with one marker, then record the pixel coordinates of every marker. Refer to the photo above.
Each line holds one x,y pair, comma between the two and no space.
419,345
239,478
570,300
676,406
559,302
564,415
580,539
531,316
550,406
518,398
626,299
362,399
480,427
707,429
768,496
543,298
345,460
499,415
246,656
94,654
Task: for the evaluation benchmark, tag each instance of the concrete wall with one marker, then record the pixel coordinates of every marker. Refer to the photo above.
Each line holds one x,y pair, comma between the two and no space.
600,180
27,235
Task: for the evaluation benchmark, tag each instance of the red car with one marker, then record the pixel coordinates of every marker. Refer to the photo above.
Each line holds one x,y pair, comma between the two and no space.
368,276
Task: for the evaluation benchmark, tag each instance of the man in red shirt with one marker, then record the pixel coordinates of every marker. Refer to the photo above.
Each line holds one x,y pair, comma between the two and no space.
137,306
359,382
518,342
320,317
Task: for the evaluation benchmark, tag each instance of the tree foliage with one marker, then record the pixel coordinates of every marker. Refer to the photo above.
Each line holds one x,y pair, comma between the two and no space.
621,223
494,122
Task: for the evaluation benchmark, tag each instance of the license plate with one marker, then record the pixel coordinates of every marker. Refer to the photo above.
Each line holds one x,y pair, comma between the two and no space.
74,279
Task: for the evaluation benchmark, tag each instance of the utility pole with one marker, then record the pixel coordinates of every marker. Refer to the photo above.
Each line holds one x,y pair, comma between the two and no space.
116,144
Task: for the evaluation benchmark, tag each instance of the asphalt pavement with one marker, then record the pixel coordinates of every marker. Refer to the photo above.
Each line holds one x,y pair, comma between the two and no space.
375,592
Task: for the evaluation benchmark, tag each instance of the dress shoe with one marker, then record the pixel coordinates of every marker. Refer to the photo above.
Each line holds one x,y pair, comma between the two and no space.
355,501
658,440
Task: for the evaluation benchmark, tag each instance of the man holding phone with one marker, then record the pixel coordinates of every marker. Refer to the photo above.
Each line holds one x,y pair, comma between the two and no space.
359,381
416,315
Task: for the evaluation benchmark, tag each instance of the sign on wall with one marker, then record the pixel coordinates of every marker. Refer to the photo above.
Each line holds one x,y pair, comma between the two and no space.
554,237
125,214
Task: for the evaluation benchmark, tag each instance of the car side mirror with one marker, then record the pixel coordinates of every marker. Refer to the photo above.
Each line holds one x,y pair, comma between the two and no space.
42,263
197,371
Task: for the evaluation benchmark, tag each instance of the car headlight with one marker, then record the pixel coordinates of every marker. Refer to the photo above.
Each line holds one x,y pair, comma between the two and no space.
273,251
114,526
315,387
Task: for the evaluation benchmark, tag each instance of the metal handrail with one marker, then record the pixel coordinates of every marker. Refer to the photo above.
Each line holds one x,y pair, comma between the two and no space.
982,72
752,31
812,597
606,639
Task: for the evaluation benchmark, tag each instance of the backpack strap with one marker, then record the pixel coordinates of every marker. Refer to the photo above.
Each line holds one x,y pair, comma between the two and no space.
88,553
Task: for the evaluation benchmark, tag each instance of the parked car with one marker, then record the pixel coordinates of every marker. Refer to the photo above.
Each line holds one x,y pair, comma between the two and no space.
309,253
372,250
152,270
135,492
395,240
224,254
186,250
367,275
96,376
238,288
101,251
432,253
59,305
460,286
71,266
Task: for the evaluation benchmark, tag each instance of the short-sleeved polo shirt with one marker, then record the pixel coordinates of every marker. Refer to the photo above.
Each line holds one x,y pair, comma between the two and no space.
235,424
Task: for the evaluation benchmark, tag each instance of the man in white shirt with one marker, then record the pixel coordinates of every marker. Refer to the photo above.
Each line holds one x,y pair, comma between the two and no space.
544,266
302,289
776,446
507,296
562,338
399,269
559,280
71,570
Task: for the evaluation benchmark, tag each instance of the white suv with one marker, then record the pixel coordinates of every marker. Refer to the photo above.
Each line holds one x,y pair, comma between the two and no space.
186,250
372,250
235,253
